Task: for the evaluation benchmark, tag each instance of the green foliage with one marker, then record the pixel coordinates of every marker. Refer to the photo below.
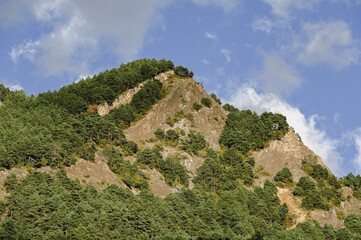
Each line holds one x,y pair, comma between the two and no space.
354,182
55,207
304,186
183,71
227,172
149,157
174,171
214,96
206,102
230,108
353,223
3,92
106,86
312,198
54,128
247,131
50,135
193,143
159,133
129,148
172,137
328,186
197,106
128,172
123,115
143,100
284,176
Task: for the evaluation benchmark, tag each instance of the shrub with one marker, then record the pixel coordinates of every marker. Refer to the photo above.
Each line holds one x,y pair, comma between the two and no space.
206,102
197,106
193,143
149,157
129,148
159,133
284,176
216,99
172,137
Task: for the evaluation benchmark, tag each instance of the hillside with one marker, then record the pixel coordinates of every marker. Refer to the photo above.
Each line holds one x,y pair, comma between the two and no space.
143,151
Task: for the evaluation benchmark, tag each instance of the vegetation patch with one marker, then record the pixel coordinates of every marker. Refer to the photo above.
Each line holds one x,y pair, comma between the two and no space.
129,173
247,131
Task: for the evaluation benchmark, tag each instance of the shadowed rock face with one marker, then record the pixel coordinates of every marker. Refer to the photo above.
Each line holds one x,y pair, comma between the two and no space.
287,152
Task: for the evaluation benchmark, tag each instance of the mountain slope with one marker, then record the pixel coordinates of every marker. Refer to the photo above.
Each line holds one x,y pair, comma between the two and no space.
149,129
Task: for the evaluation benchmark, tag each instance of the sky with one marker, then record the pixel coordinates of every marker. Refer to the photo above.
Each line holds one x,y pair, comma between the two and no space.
300,58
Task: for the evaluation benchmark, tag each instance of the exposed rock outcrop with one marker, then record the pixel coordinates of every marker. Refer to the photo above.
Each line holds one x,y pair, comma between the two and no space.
96,174
181,95
287,152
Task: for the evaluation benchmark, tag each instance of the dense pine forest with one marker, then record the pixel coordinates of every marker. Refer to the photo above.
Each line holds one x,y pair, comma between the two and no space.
57,128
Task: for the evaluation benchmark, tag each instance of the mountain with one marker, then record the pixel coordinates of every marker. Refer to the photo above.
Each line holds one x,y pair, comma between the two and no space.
143,151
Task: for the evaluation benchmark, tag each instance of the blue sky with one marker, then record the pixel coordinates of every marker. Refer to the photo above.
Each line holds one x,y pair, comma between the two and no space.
297,57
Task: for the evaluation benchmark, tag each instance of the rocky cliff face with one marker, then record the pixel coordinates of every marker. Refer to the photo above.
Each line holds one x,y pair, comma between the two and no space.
287,152
181,95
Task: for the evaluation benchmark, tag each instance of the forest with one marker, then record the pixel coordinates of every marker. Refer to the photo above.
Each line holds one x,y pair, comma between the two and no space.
57,128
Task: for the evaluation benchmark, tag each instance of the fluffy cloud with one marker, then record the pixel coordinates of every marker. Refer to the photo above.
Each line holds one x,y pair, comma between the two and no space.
210,36
227,54
276,76
282,8
328,43
80,30
316,139
11,86
356,138
263,24
348,2
226,5
26,50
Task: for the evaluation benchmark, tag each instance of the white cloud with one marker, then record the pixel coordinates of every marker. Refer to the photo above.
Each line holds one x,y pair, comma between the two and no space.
81,30
348,2
276,76
26,50
337,118
205,62
15,87
316,139
356,135
227,54
282,8
226,5
328,43
12,86
211,36
263,24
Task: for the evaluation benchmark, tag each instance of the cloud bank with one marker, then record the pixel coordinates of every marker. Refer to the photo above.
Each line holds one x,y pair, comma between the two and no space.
81,30
329,43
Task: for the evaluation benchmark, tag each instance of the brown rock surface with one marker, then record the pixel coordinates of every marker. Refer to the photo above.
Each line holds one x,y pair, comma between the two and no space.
127,96
287,152
336,215
157,184
298,215
96,174
181,95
